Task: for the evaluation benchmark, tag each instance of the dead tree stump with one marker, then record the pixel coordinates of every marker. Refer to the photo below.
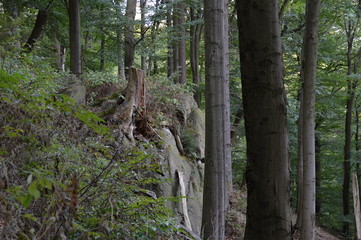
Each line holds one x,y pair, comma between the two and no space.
134,100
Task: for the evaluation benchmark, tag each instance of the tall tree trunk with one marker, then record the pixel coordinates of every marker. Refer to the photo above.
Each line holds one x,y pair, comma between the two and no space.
217,152
318,168
195,38
40,23
175,45
143,4
129,47
170,66
308,74
60,56
300,162
350,32
102,53
74,33
265,114
121,70
182,44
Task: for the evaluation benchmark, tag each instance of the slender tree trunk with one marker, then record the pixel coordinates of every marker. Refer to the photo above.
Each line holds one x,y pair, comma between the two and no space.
300,162
350,32
170,66
308,69
318,169
182,44
60,56
74,33
265,114
195,38
102,53
217,152
129,47
175,45
143,4
357,207
40,23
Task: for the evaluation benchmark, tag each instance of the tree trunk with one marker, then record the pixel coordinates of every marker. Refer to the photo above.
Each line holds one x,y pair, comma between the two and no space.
217,152
195,38
143,4
102,53
175,45
74,33
318,168
121,70
356,201
170,66
350,32
129,47
265,114
41,19
134,99
300,162
308,74
60,56
182,44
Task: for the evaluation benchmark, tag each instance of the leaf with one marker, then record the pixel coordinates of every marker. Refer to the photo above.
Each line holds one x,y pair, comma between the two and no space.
25,200
33,190
31,217
30,179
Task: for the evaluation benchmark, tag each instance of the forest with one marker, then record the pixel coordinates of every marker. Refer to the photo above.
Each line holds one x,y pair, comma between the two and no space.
180,119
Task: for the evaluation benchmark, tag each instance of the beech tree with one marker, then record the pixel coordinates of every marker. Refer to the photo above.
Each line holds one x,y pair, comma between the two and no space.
217,150
74,34
308,74
264,102
129,47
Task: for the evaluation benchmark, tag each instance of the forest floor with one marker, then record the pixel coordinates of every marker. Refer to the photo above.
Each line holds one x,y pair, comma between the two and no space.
236,220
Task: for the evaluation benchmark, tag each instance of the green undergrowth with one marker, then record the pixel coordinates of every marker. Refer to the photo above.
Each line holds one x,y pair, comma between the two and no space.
63,174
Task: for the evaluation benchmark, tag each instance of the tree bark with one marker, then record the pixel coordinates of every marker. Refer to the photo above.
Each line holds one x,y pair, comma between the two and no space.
318,168
40,23
217,152
74,33
143,4
357,208
308,74
129,47
175,45
102,53
195,34
182,44
170,66
300,162
265,114
350,32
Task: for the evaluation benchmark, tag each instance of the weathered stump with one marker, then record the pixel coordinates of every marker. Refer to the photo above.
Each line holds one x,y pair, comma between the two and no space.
134,100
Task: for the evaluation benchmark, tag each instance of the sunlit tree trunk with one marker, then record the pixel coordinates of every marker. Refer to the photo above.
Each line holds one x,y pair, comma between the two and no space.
217,152
265,114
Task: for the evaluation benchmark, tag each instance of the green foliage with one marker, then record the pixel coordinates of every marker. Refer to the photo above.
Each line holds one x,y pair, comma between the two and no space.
189,142
163,97
66,174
